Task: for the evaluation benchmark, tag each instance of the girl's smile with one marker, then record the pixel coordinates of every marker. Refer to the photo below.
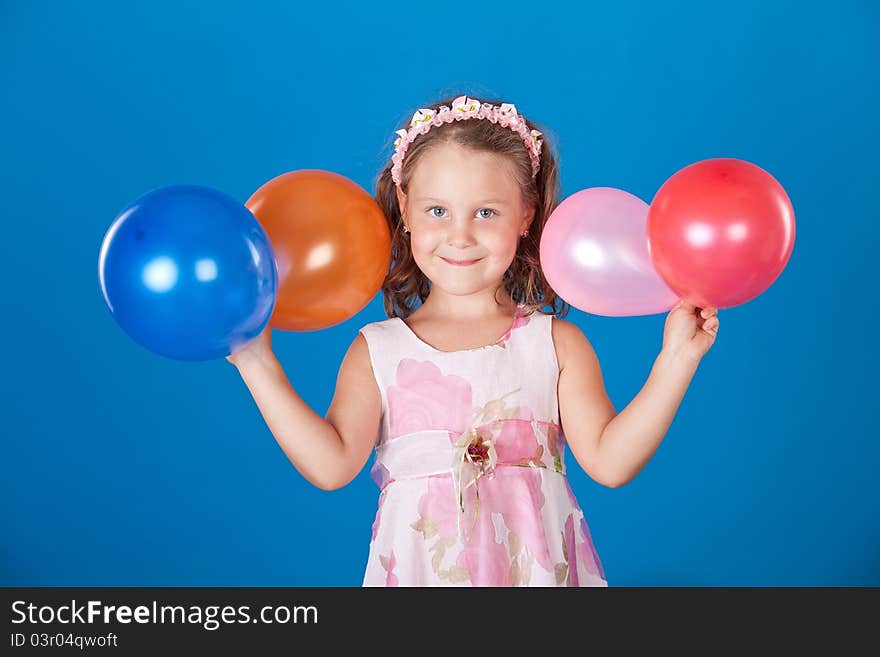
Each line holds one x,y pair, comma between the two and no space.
460,263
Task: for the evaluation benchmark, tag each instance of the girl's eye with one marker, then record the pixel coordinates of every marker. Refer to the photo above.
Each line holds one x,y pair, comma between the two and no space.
480,212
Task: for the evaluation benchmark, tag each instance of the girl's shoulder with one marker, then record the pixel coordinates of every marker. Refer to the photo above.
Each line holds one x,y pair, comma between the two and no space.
379,325
379,333
570,342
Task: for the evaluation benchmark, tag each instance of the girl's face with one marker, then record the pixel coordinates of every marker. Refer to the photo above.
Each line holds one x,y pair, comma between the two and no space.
465,214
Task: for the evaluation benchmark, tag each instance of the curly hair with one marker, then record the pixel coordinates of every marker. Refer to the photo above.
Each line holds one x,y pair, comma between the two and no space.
405,286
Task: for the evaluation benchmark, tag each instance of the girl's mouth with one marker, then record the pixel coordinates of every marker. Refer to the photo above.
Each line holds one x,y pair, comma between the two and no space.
459,263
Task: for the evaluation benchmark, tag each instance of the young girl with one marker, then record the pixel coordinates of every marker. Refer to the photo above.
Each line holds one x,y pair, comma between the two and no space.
470,392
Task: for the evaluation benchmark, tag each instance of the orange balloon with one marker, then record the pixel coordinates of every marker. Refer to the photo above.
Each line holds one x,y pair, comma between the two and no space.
332,247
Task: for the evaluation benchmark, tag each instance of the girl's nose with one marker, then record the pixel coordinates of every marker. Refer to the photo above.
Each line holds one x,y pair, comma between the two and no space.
460,234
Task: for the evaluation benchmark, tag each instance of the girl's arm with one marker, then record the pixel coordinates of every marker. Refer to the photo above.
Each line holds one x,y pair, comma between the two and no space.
329,452
630,440
584,407
614,447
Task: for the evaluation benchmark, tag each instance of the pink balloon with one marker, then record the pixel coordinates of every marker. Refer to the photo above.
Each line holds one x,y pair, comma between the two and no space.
594,253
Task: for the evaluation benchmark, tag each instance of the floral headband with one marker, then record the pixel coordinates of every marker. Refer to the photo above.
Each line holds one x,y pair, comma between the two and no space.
465,108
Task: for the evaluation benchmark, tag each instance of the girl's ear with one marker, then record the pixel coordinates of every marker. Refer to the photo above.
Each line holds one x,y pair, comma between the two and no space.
401,198
401,203
528,218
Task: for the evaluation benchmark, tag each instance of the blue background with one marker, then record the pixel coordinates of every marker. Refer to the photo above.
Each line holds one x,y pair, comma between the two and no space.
121,467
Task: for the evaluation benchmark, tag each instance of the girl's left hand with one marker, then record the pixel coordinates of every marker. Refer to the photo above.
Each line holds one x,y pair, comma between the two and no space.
690,331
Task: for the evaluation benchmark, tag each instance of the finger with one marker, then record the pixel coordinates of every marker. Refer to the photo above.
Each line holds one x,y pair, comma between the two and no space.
708,312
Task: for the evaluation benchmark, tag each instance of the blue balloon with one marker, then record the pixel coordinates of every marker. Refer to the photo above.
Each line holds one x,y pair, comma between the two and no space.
188,272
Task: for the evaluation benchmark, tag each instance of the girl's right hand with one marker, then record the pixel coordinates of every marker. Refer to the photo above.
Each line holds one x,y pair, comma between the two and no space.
256,349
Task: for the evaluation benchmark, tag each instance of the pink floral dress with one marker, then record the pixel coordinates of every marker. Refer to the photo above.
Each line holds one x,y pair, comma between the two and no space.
470,464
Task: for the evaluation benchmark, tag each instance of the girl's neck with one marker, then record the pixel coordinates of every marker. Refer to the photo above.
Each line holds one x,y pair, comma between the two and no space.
472,307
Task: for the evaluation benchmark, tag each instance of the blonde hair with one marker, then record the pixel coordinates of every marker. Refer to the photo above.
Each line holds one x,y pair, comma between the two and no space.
405,286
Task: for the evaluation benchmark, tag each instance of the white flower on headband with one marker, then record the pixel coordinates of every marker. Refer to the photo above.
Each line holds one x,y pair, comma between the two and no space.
422,116
465,105
537,143
397,141
507,109
464,108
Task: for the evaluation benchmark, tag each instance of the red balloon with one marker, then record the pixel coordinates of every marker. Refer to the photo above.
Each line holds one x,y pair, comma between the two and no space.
720,232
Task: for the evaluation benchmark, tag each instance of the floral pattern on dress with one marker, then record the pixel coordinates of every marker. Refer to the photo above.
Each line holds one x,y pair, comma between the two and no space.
470,466
388,563
423,398
576,551
514,493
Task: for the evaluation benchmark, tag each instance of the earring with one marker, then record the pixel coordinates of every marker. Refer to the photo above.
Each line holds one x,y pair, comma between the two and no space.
525,233
405,229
